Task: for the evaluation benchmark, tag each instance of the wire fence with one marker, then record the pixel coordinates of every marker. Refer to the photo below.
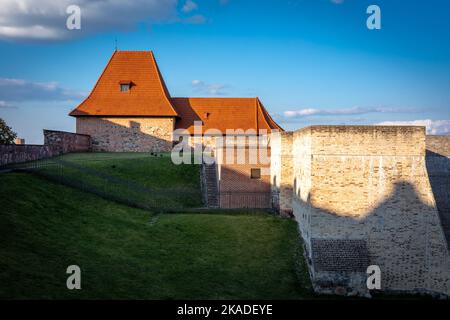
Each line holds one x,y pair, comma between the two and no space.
81,175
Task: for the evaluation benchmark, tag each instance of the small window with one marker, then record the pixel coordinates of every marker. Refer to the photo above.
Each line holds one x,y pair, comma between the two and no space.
255,173
124,87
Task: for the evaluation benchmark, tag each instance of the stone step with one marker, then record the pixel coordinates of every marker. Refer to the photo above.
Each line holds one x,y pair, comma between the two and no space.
212,199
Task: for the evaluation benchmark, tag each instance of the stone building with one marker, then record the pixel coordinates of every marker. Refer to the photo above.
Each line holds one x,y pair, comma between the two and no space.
130,109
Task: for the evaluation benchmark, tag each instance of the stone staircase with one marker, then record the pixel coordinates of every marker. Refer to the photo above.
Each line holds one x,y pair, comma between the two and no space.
210,185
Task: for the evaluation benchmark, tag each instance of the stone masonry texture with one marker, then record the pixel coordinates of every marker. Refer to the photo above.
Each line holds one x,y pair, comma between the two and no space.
281,172
67,141
369,184
146,134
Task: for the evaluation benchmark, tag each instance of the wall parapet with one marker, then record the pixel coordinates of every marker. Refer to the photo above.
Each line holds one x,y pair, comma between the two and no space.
67,141
11,153
366,140
55,144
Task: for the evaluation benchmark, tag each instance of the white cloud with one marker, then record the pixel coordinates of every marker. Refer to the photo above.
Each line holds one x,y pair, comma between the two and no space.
213,89
346,111
22,90
46,19
29,32
337,1
433,126
6,105
189,6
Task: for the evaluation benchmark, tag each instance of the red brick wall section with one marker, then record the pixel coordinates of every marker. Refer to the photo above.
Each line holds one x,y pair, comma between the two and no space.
238,190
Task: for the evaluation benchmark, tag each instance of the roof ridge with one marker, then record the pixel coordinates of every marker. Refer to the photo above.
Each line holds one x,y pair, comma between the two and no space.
266,116
134,51
165,106
163,87
224,98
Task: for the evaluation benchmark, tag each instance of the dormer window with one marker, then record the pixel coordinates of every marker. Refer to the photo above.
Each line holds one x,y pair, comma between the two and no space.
125,86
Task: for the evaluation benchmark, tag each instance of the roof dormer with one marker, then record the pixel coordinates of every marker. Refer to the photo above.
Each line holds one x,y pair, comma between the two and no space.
125,85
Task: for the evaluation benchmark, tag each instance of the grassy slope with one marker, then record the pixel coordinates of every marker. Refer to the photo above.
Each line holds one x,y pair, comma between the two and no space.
152,172
44,227
171,186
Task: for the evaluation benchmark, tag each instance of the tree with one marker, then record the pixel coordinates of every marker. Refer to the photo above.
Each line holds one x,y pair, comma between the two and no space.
7,136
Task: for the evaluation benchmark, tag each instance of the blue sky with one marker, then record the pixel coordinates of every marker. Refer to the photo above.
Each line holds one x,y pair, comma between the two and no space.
310,61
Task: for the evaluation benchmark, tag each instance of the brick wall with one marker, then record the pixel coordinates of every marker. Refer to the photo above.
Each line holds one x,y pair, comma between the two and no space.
128,134
369,184
236,188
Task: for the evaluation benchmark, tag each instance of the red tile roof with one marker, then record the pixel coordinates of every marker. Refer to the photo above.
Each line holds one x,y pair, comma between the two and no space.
223,114
148,95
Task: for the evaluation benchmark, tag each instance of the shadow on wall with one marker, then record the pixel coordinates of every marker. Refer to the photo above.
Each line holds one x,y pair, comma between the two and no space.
402,235
239,189
244,177
125,135
438,167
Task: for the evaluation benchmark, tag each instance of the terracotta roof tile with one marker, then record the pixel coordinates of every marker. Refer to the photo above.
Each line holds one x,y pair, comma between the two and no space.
148,95
223,114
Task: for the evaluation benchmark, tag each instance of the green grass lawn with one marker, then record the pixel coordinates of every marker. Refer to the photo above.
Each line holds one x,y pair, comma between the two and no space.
137,179
156,172
126,253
